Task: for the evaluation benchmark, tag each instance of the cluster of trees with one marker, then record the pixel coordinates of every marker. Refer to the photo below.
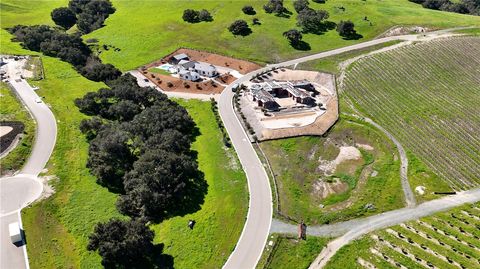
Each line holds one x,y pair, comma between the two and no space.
140,147
464,6
194,16
315,21
89,15
276,7
309,19
68,47
239,27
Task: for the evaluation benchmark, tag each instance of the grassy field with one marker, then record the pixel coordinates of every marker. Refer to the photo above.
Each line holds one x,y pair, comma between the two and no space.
147,30
11,109
331,64
299,197
427,96
221,219
446,240
288,252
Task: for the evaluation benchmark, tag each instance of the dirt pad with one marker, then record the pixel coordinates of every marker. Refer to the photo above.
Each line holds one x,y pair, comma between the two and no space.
242,66
173,84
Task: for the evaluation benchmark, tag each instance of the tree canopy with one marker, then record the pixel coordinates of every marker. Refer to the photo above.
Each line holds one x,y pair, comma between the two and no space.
239,27
312,21
64,17
123,244
293,35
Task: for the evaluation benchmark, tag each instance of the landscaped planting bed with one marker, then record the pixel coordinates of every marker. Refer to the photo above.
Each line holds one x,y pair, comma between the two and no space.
427,96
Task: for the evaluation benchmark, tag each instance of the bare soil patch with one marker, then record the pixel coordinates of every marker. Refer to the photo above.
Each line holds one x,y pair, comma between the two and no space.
173,84
323,189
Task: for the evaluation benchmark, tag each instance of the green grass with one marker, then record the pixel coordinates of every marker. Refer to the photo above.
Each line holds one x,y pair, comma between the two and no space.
147,30
331,64
65,220
290,252
347,256
420,175
427,96
11,109
58,227
221,219
158,71
295,161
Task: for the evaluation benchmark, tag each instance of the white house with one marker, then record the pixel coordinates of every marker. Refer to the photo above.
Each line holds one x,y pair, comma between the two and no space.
188,75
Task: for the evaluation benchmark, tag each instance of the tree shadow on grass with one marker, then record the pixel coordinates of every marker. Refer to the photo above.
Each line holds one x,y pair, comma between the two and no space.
301,45
245,32
354,36
154,259
321,28
160,260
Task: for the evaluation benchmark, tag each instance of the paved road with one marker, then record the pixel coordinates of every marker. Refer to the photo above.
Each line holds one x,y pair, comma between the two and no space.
364,226
255,232
22,189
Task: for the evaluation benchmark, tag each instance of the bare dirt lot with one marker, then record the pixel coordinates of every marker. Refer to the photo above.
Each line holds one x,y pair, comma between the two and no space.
174,84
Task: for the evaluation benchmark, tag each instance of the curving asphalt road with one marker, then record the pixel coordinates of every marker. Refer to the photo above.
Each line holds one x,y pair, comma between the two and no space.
22,189
259,218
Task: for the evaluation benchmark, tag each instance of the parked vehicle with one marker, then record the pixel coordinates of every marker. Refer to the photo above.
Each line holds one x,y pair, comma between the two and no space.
234,87
15,232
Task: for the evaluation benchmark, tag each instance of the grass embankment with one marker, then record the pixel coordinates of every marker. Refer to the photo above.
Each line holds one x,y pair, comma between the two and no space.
426,94
156,29
220,221
456,229
289,252
332,64
12,109
298,164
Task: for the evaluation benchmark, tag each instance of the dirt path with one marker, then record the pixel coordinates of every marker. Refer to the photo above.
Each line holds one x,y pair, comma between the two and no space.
407,190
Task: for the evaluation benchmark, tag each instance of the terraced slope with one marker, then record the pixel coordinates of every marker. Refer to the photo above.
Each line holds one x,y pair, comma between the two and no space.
428,96
446,240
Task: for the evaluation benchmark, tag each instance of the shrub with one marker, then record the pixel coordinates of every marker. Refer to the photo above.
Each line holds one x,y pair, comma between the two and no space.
204,15
191,16
249,10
